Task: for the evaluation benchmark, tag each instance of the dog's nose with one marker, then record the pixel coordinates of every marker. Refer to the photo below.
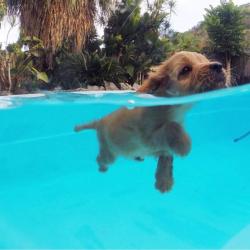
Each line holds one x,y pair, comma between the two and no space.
216,67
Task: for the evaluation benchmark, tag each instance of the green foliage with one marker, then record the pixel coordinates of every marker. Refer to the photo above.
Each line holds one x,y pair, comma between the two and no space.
225,28
91,67
87,68
24,59
132,44
246,20
186,41
21,63
3,10
134,40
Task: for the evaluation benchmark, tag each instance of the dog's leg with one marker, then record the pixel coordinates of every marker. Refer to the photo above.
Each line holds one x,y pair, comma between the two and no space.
164,174
105,156
171,136
104,159
177,139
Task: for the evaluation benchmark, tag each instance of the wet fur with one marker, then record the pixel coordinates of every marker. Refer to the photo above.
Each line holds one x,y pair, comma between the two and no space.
156,131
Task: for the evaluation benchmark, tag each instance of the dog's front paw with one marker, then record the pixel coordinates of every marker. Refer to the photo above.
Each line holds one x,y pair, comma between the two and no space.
103,169
183,145
164,185
177,139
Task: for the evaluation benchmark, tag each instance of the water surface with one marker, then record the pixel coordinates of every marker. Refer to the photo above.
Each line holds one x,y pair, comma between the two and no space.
52,195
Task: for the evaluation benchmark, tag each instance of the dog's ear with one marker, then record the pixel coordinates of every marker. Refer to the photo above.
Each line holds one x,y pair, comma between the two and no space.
156,84
152,84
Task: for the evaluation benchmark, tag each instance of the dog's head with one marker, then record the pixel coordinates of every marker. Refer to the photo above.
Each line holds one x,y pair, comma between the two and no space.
185,73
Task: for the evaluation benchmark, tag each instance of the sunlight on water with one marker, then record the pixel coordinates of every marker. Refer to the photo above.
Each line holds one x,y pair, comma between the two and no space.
126,98
52,195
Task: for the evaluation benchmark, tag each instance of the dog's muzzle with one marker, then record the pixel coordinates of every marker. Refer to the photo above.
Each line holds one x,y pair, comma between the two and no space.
216,78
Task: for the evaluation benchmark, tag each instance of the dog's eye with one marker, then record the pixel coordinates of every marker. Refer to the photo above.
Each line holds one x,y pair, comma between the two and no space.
185,70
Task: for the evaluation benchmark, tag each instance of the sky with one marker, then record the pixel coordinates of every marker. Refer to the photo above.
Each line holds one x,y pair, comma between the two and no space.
187,14
5,35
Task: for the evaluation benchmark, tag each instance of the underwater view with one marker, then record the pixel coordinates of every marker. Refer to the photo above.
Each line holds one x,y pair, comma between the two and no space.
124,124
53,196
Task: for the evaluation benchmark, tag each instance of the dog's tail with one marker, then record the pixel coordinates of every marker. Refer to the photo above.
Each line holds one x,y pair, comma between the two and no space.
91,125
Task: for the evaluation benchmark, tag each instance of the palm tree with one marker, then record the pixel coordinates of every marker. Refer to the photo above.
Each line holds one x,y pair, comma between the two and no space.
54,21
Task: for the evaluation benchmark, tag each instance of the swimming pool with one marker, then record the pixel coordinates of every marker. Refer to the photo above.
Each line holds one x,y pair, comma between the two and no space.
52,195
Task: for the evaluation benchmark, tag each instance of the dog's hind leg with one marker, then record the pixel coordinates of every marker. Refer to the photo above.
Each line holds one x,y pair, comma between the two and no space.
104,159
105,156
164,174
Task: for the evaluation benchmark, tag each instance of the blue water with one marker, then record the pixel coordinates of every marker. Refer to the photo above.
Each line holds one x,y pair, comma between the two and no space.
52,195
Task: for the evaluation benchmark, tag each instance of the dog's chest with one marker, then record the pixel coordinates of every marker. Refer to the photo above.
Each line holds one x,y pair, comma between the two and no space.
135,137
159,115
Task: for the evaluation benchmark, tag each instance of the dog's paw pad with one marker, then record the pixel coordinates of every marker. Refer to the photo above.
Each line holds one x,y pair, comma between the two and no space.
103,169
164,185
183,148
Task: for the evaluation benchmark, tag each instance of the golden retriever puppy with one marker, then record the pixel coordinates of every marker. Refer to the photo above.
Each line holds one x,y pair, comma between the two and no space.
157,131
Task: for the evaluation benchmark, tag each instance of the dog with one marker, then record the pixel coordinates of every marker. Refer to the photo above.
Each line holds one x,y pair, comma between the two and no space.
157,131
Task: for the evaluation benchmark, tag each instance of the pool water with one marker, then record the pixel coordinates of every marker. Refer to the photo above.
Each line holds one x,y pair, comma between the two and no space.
52,195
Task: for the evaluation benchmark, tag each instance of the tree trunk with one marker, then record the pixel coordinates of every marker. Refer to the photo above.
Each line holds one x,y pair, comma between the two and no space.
12,81
228,70
4,74
12,88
